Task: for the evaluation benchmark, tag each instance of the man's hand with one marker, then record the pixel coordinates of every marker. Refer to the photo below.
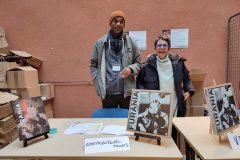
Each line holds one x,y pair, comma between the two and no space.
125,72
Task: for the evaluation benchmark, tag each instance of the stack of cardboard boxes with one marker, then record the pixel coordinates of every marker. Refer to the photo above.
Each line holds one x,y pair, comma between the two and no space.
4,66
47,93
23,82
8,130
196,103
20,80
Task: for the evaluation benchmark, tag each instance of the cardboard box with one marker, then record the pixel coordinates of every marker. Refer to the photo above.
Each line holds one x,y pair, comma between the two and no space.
6,137
197,110
4,48
197,76
198,98
4,67
49,114
48,106
22,77
34,62
2,32
27,92
21,53
7,97
14,137
47,90
5,110
31,60
7,124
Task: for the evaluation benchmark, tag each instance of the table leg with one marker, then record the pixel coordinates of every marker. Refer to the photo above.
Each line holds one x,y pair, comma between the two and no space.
190,153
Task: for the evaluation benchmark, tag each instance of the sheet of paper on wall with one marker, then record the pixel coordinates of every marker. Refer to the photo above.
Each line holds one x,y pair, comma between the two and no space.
234,140
106,144
179,38
116,129
140,38
84,128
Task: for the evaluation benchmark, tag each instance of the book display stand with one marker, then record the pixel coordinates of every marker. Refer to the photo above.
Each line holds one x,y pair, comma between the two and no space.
148,136
211,132
26,140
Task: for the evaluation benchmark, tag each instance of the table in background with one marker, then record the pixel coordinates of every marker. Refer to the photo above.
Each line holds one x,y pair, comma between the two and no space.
196,131
64,146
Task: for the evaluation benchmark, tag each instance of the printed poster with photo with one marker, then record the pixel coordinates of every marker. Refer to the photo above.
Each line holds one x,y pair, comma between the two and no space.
31,117
150,113
222,106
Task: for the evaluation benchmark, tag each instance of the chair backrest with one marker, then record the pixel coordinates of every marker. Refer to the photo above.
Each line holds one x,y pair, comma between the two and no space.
110,113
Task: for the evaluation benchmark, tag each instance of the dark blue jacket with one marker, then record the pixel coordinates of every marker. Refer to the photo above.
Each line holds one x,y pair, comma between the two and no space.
148,79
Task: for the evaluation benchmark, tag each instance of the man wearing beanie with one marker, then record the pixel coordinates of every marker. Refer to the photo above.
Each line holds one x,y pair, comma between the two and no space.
114,63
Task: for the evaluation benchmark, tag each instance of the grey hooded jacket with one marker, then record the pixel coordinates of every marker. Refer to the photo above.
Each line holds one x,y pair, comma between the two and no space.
130,58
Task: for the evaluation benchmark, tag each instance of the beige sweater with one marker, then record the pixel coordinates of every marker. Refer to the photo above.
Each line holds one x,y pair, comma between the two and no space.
166,80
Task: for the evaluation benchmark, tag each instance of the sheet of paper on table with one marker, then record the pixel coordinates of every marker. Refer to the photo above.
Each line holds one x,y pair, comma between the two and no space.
84,128
116,129
234,140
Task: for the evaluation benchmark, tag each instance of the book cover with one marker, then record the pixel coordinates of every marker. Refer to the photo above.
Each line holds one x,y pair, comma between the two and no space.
150,113
222,106
30,117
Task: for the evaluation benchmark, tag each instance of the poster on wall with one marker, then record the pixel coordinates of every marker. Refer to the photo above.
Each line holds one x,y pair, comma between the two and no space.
150,113
140,37
222,106
178,37
166,33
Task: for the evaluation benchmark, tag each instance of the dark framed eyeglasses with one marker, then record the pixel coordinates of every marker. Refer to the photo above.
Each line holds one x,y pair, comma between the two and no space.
161,46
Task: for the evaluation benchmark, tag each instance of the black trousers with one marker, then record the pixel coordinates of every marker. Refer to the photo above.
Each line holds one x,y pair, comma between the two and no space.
116,101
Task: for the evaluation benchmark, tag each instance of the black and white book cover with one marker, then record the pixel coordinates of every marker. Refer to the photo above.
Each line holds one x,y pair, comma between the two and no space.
30,117
222,106
150,113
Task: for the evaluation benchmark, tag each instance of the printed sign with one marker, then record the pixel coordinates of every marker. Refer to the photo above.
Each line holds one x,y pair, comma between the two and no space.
140,38
234,140
107,144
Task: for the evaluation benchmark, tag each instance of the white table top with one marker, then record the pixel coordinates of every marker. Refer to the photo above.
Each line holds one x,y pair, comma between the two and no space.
71,146
207,146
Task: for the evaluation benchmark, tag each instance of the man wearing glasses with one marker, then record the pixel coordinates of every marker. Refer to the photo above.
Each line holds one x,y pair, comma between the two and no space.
114,63
167,72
